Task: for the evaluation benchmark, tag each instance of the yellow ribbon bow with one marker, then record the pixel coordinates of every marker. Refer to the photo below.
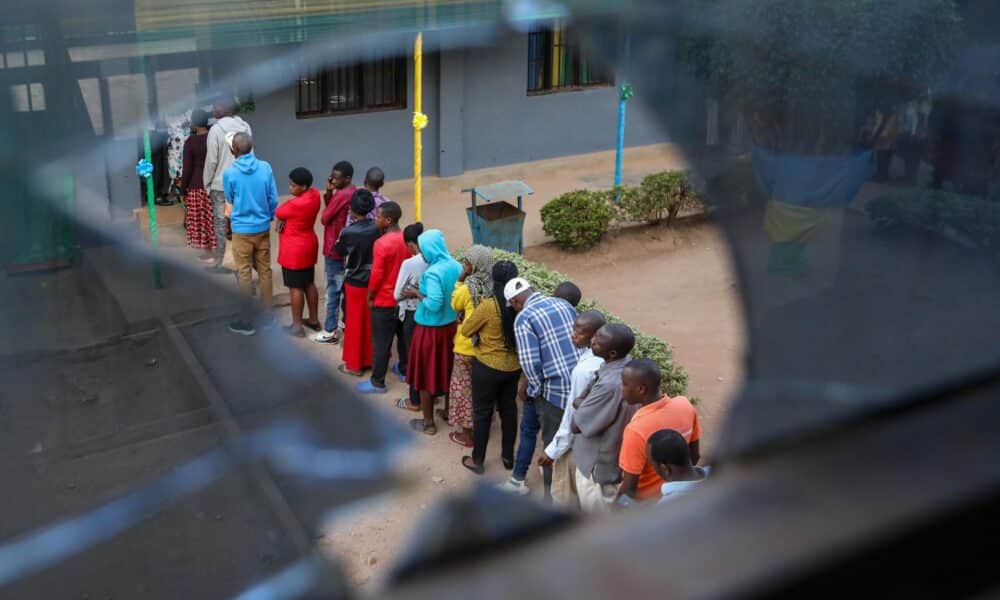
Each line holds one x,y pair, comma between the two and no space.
419,120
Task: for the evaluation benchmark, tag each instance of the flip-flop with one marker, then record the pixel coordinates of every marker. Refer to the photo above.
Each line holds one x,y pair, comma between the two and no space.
404,403
418,425
460,439
343,369
470,465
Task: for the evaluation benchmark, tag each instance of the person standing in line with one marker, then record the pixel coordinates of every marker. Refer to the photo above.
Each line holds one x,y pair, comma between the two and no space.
251,200
641,388
356,244
430,353
530,424
388,255
559,452
409,276
374,180
298,249
599,418
197,205
218,160
670,456
544,331
475,284
495,371
336,207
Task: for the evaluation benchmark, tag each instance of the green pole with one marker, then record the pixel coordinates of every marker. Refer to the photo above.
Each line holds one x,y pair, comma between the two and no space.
154,236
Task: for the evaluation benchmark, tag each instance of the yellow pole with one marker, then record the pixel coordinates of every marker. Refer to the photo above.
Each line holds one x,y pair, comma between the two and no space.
419,120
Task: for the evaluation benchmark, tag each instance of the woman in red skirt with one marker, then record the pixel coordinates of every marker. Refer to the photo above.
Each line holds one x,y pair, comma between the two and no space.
197,206
356,243
431,347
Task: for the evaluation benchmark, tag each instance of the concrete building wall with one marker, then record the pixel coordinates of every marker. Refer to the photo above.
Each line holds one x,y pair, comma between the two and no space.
480,116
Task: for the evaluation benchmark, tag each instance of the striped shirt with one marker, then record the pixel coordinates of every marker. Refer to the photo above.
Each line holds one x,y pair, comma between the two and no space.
544,330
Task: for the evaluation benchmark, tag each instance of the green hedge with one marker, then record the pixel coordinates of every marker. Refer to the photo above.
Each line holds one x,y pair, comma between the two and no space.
970,221
579,219
545,280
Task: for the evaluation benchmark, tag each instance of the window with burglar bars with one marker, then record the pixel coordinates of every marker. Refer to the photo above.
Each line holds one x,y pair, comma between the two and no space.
374,85
555,63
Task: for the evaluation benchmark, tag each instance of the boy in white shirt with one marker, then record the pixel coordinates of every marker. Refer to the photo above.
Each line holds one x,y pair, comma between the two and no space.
409,276
557,453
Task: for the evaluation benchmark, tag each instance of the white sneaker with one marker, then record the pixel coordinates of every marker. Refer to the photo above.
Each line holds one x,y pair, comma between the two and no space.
514,487
325,337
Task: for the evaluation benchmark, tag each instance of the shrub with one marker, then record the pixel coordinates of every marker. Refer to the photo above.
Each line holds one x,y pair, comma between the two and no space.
660,197
967,220
545,280
577,220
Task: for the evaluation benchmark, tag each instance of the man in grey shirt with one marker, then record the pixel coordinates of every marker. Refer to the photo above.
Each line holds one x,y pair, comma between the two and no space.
599,418
219,157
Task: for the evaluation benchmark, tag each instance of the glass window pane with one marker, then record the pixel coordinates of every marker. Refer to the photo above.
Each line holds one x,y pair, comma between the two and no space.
129,103
15,59
90,90
37,93
19,97
36,58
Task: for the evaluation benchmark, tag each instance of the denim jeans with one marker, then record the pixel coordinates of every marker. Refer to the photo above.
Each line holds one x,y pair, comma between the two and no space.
530,427
334,288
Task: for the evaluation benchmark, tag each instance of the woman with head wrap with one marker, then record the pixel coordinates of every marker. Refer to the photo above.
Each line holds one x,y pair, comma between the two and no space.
475,284
197,206
495,371
430,354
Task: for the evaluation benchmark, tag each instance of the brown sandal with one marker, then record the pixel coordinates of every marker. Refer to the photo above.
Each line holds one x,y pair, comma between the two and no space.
418,425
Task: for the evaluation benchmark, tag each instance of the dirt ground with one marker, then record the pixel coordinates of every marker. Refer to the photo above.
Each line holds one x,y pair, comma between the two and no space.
675,284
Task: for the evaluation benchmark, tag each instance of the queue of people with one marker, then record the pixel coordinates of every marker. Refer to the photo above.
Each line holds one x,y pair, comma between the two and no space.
471,332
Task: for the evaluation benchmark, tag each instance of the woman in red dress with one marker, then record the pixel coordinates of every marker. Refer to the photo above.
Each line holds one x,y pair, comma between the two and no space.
197,206
298,248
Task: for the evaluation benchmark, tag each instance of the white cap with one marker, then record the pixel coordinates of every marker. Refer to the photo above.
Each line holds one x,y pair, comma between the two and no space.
514,287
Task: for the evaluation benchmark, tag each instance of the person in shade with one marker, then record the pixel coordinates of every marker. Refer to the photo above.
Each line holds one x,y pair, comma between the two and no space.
409,276
298,248
475,284
374,180
251,199
337,205
388,255
430,353
198,219
641,387
495,370
218,159
599,418
559,452
356,244
670,457
569,292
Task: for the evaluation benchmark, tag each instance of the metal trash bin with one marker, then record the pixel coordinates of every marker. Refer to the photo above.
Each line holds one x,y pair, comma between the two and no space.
498,224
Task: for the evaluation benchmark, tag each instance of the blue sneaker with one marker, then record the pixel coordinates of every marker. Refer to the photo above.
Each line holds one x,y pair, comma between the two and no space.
395,369
366,387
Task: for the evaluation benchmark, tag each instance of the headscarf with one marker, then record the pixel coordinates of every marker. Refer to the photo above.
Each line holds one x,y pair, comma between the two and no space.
480,281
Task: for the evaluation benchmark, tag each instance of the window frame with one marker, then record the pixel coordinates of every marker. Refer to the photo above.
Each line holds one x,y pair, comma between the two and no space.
358,81
542,44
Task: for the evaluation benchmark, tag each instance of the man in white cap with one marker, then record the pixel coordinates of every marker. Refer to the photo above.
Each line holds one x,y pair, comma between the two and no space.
544,333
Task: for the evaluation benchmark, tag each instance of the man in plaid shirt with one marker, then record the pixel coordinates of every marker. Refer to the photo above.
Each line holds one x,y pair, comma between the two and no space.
543,330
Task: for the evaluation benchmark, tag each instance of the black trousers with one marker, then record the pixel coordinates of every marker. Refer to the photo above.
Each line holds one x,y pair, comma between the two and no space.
550,417
385,326
493,390
404,354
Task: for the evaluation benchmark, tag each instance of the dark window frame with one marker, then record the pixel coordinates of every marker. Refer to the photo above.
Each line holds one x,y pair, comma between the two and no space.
376,85
576,72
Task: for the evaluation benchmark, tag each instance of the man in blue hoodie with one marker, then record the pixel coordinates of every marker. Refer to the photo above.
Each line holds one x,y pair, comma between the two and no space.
251,199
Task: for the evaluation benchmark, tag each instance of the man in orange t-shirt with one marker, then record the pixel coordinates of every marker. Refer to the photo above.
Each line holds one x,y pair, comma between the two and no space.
641,385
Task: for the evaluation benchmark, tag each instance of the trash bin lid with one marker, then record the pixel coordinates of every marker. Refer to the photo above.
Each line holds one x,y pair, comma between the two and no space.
502,189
